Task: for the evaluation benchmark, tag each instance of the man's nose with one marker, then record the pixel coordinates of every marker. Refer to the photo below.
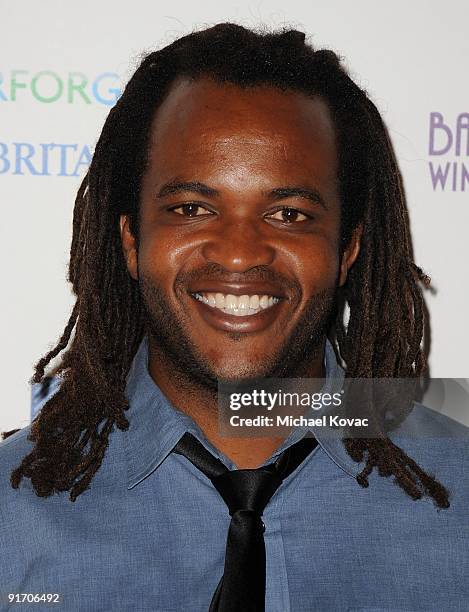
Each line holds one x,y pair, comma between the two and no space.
238,246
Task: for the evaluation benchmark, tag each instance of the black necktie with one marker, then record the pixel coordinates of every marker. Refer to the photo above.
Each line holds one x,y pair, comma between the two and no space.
246,493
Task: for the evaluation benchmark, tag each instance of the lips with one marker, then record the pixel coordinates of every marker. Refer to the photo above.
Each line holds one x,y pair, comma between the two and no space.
239,306
248,306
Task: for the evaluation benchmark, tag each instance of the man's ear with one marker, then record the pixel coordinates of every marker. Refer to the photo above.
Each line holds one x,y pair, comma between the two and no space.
129,246
350,254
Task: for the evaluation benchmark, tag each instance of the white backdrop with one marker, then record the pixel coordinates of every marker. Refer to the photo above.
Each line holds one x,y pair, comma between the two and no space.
61,66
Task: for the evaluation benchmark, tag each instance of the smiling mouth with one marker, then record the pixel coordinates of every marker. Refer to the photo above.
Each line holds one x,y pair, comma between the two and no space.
237,305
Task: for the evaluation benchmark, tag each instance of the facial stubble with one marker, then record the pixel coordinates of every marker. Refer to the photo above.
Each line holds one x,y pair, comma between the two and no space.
190,368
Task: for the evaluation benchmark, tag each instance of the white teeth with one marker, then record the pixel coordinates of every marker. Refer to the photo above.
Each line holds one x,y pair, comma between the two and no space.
243,302
219,300
240,306
231,302
254,302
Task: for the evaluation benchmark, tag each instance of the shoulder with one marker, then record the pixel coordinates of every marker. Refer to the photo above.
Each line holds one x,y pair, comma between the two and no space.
27,519
12,452
443,438
426,422
14,448
17,446
440,446
16,505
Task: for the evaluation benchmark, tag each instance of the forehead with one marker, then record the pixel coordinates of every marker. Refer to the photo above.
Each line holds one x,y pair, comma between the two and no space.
201,122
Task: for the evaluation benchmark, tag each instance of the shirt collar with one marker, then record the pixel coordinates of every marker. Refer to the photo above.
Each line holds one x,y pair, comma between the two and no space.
155,426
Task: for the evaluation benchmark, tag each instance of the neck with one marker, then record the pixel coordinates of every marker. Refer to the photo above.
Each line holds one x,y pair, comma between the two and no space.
201,404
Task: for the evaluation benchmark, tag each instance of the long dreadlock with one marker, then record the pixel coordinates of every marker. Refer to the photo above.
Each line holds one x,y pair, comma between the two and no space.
383,336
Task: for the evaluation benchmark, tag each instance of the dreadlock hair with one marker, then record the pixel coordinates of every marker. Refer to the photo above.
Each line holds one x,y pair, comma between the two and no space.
384,332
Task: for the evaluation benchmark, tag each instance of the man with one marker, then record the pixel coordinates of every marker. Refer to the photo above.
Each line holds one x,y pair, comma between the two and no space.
242,197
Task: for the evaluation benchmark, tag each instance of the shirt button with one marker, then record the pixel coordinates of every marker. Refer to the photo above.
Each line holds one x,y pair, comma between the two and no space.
263,526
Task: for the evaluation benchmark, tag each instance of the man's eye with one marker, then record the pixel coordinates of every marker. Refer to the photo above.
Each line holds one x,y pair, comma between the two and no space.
289,215
191,210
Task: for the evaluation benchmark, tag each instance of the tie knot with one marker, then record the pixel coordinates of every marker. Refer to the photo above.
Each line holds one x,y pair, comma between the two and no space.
247,489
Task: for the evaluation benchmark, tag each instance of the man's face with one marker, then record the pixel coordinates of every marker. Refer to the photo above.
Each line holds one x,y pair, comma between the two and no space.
238,259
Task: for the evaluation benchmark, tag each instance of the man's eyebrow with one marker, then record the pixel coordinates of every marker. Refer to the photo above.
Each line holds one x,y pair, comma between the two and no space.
300,192
279,193
183,186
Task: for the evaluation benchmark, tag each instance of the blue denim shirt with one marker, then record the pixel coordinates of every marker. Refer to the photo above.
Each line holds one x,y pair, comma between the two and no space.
150,533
